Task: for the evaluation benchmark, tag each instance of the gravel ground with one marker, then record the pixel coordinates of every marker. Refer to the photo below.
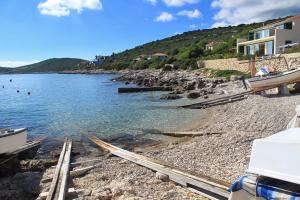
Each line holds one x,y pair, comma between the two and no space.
226,156
121,179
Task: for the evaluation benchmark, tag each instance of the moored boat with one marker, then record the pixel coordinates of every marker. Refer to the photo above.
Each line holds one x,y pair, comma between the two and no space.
11,140
274,80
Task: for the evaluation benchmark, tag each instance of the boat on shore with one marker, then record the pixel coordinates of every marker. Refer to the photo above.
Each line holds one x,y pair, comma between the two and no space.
12,139
274,80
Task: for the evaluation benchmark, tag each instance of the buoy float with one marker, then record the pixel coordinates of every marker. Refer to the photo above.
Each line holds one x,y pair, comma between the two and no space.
2,86
18,91
28,93
10,80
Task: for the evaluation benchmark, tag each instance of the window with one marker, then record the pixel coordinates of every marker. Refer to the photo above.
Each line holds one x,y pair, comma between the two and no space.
251,36
288,25
250,49
267,33
269,48
258,35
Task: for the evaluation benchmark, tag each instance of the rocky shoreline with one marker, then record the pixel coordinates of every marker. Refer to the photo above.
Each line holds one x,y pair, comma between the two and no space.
191,84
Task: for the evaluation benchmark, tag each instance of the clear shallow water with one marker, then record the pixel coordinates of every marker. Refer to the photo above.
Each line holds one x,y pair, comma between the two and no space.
72,104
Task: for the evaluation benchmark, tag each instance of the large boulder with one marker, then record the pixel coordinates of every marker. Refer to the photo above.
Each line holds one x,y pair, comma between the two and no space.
193,95
190,85
236,77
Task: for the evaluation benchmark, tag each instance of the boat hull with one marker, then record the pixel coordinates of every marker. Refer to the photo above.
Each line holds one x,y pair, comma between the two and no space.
12,141
268,82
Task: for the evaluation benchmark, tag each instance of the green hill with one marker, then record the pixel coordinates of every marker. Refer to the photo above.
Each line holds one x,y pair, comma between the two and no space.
51,65
184,49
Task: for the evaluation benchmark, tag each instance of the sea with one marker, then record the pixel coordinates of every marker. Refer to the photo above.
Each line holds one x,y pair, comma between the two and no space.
59,105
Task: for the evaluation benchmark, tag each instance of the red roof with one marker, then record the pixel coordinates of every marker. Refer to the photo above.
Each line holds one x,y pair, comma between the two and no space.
293,17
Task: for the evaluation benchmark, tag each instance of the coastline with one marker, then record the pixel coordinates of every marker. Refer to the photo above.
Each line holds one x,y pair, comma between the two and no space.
224,156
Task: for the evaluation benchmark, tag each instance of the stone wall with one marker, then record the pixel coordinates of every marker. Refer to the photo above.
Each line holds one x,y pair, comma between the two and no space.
234,64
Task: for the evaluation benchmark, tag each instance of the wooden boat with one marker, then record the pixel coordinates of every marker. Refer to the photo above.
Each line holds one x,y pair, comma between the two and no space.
11,140
274,80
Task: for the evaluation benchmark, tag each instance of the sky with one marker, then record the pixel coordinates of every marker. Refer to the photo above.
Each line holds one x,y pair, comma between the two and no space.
35,30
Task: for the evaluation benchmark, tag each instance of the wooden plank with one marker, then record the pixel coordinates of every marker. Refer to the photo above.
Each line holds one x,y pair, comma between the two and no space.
143,89
216,189
226,99
181,133
65,172
53,185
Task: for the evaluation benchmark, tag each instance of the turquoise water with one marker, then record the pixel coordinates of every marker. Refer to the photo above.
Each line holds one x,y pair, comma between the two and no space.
62,105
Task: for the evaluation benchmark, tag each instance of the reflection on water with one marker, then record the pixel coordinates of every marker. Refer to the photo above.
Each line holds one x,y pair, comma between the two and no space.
62,105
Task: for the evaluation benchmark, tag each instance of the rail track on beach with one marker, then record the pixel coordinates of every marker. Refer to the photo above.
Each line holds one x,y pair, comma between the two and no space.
199,184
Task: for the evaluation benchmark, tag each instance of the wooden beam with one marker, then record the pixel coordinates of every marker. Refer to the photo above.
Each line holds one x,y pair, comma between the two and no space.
65,173
183,133
53,185
215,189
143,89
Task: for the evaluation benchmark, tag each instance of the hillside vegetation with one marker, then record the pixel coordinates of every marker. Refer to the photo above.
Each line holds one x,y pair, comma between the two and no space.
185,49
51,65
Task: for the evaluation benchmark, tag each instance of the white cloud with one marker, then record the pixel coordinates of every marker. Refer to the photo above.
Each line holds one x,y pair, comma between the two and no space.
153,2
61,8
164,17
219,24
14,63
178,3
193,26
190,13
233,12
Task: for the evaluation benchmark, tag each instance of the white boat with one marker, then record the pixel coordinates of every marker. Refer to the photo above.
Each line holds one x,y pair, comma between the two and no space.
274,80
277,156
11,140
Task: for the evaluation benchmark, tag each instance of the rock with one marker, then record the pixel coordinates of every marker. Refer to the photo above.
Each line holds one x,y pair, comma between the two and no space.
127,83
297,87
190,85
236,77
193,95
170,96
116,192
162,177
205,97
37,165
103,194
87,192
29,182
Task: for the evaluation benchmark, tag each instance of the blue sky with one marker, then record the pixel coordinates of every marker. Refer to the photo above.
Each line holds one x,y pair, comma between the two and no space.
34,30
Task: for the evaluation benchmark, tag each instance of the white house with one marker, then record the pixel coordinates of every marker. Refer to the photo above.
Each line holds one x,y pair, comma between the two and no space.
272,38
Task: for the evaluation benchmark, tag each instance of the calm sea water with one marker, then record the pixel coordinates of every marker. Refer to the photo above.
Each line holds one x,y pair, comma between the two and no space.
72,104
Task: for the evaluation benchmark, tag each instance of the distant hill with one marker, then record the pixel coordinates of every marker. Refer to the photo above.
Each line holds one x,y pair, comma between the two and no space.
4,70
51,65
